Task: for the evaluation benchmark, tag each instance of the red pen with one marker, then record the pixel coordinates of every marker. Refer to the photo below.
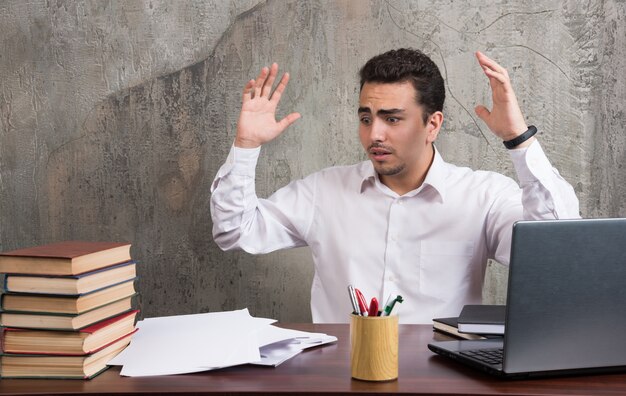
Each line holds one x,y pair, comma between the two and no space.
373,307
362,303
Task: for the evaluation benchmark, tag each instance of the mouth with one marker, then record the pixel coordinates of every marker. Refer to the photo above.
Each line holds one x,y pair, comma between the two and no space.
379,153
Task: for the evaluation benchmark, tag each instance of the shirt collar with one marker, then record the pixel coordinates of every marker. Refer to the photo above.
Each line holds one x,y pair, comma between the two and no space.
368,175
435,178
437,175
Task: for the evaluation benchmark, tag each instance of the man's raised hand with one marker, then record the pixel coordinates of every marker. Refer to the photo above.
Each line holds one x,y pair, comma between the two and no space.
505,118
257,123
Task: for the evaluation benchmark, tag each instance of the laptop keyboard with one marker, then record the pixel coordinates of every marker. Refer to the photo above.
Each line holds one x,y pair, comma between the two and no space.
489,356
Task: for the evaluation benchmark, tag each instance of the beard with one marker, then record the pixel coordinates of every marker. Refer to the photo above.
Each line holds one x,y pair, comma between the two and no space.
389,170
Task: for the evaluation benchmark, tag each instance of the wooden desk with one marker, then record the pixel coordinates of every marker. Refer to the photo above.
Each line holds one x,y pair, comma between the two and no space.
326,370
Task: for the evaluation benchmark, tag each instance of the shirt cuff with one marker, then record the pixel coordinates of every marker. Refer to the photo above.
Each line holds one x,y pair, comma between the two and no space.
531,163
242,161
244,158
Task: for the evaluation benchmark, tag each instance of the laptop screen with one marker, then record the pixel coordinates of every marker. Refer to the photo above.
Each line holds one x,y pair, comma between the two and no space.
566,298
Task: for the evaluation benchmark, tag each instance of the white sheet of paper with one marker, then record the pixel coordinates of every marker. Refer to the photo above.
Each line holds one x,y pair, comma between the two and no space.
271,334
281,351
192,343
278,352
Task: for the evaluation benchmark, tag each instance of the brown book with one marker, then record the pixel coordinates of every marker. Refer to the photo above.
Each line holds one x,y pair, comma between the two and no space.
67,367
80,342
64,258
64,321
41,303
71,284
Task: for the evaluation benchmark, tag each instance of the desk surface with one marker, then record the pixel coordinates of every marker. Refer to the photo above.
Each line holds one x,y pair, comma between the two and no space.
327,370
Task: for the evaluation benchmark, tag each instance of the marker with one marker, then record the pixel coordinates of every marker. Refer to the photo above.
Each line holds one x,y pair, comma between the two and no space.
373,307
362,302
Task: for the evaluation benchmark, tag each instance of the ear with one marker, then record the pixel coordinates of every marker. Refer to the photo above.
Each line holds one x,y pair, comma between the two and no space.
433,125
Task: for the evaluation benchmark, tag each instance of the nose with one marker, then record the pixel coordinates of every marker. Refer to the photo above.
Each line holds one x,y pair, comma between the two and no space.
378,131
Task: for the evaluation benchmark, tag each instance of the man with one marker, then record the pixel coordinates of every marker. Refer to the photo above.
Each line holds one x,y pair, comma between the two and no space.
405,222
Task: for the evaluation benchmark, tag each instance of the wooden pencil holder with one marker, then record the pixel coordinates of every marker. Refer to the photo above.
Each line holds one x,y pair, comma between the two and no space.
374,347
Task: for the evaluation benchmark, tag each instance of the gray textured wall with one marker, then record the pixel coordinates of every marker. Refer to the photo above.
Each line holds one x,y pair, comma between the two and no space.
116,115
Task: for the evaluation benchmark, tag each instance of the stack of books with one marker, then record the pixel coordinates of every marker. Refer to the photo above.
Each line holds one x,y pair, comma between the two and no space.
475,322
67,309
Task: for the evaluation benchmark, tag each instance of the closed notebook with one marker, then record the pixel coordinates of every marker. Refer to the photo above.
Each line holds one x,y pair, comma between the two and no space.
64,321
80,342
482,319
37,303
64,258
450,327
62,367
71,284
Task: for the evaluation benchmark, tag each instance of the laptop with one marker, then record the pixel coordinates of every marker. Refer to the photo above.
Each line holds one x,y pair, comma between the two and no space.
566,303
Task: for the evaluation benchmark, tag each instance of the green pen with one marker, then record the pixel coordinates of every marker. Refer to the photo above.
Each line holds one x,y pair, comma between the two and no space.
396,307
390,305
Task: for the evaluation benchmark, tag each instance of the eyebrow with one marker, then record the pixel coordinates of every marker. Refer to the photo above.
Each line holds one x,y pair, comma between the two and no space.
381,111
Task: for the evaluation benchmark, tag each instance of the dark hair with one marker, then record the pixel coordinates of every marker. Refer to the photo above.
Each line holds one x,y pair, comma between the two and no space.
407,64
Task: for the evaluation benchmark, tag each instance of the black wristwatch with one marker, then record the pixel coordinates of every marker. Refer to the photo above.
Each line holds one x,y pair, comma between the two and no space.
521,138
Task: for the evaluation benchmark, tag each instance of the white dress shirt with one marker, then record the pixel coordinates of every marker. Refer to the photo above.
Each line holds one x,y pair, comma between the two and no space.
429,245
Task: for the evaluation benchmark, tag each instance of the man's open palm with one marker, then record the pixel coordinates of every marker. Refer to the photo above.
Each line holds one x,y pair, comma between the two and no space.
505,118
257,123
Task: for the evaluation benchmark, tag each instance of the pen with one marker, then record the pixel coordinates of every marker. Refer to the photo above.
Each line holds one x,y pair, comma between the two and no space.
355,305
391,304
373,307
388,303
396,306
362,302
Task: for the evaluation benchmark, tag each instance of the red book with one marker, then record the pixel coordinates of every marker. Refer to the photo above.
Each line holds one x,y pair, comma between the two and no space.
58,366
64,258
85,341
66,322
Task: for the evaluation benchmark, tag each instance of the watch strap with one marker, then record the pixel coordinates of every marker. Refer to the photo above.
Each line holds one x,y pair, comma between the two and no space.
532,130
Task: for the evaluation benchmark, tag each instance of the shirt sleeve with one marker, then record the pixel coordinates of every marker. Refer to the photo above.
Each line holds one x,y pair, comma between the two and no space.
241,220
544,195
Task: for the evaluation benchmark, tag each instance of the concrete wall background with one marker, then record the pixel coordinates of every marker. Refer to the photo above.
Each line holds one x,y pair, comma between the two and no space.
115,116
